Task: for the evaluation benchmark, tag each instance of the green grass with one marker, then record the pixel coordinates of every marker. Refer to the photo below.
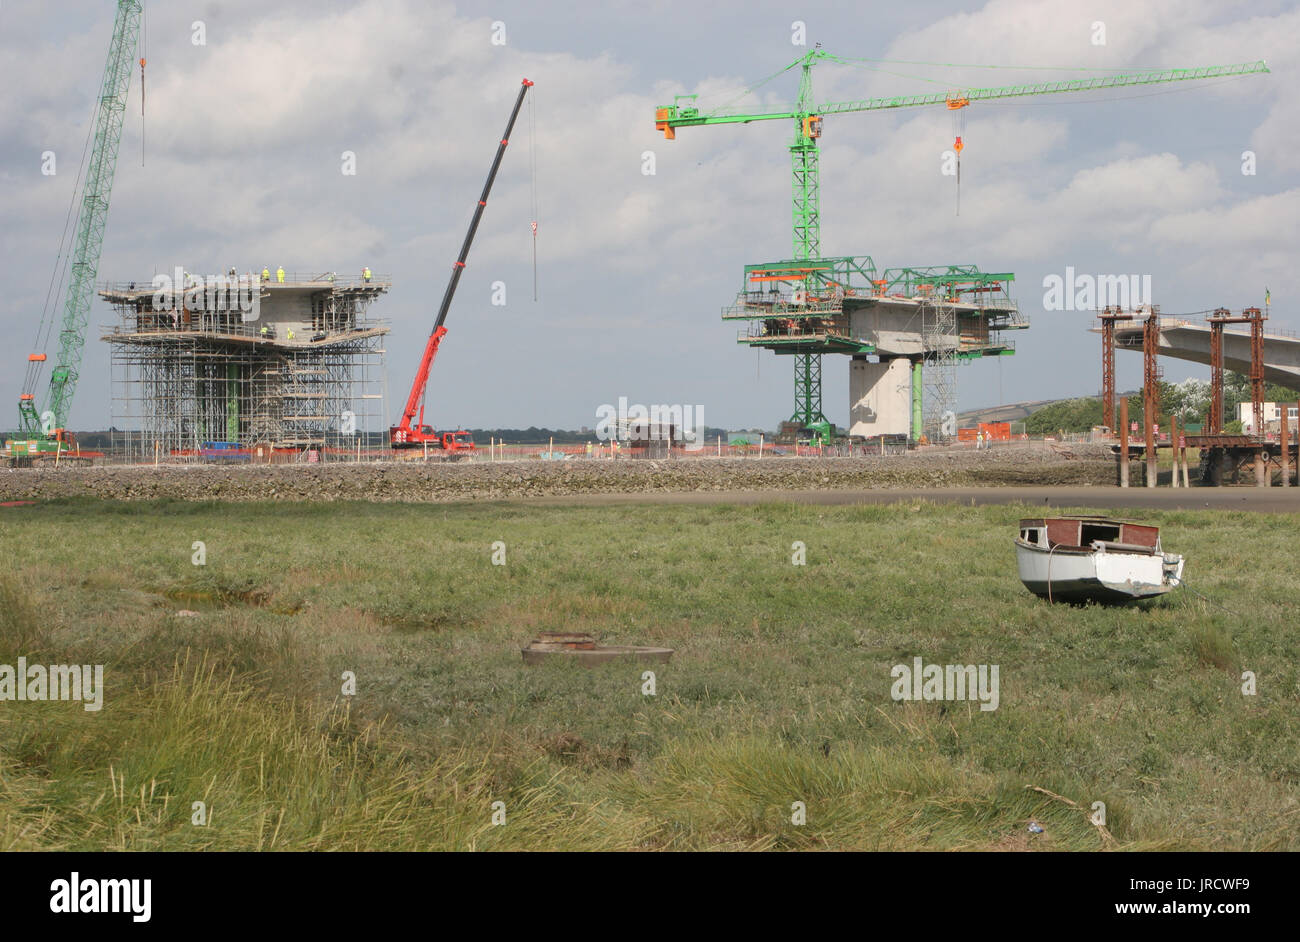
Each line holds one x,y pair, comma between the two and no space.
779,691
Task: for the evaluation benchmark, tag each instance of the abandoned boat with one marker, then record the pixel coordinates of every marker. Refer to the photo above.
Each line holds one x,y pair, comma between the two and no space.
1082,559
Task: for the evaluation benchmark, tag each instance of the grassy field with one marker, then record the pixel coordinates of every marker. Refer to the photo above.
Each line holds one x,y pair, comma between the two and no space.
779,691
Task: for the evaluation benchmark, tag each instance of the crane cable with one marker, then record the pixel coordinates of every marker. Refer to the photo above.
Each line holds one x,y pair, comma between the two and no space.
861,63
753,88
142,38
62,260
958,130
63,257
532,173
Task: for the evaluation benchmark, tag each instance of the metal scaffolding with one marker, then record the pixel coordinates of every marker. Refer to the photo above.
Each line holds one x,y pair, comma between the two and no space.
186,381
806,308
939,374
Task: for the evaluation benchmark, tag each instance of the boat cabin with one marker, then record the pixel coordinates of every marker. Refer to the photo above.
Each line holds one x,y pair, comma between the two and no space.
1083,533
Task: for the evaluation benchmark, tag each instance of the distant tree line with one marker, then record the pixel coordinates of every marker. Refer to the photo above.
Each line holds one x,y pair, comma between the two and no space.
1068,415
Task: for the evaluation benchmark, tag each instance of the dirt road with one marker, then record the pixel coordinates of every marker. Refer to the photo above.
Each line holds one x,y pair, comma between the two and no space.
1261,500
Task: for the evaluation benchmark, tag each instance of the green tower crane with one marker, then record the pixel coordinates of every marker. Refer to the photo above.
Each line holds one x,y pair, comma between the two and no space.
805,176
48,426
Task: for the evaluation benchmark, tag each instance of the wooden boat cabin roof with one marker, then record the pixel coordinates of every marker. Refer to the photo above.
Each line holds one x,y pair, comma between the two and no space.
1080,532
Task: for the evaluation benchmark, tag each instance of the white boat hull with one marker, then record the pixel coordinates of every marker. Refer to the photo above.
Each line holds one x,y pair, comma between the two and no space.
1080,575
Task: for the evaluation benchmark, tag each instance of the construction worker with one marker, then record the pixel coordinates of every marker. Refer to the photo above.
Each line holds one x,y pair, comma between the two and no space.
265,332
290,333
279,274
266,274
365,274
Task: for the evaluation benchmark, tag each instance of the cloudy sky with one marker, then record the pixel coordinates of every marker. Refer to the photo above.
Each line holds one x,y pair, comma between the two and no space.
244,136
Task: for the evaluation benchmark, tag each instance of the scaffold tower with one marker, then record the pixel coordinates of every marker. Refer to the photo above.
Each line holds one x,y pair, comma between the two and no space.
191,369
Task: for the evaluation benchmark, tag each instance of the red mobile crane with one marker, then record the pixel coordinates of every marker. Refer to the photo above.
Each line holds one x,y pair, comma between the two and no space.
404,434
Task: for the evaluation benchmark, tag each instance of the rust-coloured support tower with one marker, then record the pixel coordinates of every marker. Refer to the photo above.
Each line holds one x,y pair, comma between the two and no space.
1123,443
1284,442
1220,317
1108,318
1173,446
1151,387
1256,320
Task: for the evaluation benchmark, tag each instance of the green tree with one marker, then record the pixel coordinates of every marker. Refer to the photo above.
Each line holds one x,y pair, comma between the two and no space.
1188,401
1167,395
1068,415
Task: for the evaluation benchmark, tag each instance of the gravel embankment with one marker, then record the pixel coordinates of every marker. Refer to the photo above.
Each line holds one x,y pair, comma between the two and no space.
479,480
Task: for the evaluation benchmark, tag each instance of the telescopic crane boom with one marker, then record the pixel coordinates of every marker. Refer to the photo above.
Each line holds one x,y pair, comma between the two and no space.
404,434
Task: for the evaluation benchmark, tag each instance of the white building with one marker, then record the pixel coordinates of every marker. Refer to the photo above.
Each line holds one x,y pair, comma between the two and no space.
1272,416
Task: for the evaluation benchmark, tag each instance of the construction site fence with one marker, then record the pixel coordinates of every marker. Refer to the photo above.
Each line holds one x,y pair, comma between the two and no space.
487,453
143,454
491,452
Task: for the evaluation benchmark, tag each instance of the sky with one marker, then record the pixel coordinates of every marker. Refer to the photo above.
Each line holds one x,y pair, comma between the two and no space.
241,159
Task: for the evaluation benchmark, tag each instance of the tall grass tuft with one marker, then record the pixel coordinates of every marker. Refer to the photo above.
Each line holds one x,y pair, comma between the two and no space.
1213,647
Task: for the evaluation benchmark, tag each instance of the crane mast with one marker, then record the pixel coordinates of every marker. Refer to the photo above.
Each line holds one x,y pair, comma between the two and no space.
51,421
405,434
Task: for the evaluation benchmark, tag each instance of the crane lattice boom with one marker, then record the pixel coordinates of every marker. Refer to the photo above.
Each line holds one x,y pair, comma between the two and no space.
91,220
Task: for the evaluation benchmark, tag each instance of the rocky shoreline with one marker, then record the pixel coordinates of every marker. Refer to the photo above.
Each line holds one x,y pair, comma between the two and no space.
481,480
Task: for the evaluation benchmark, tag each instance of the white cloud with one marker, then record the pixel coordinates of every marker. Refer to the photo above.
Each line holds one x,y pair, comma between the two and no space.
245,137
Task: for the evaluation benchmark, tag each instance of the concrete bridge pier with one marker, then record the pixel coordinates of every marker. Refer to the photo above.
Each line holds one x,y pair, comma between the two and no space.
880,397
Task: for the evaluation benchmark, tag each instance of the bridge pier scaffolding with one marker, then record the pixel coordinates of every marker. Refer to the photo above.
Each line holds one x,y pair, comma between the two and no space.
905,331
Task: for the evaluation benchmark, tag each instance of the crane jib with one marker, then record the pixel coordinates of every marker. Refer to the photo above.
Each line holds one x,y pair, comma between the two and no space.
478,210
